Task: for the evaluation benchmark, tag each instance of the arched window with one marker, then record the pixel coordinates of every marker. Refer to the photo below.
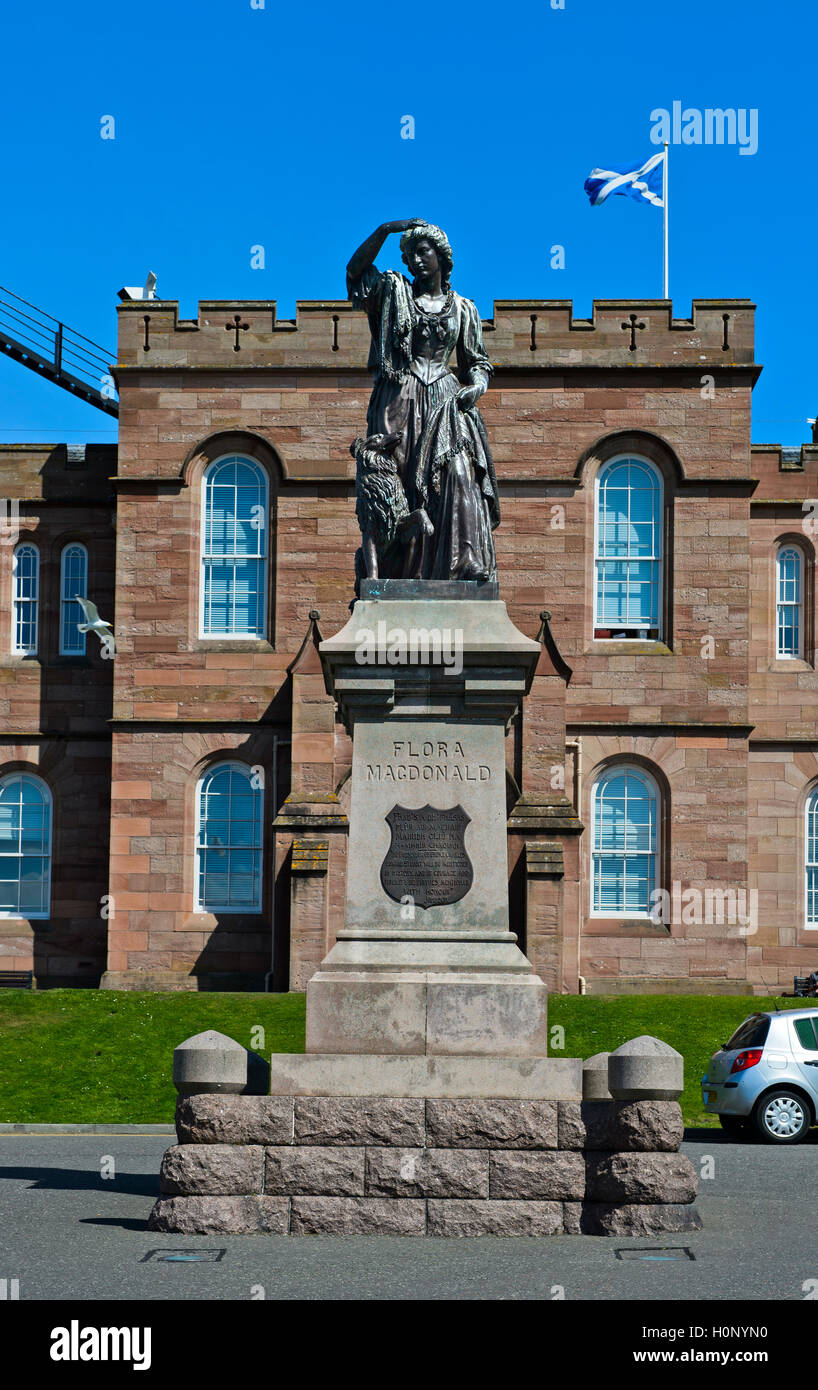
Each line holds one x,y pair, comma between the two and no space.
625,804
26,572
235,525
789,604
628,550
228,840
25,846
73,582
811,840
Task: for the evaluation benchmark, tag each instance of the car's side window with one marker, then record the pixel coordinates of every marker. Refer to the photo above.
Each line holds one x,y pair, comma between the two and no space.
805,1029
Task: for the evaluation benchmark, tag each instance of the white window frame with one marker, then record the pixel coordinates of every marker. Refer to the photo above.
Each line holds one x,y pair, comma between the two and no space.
243,909
7,914
811,861
263,552
20,602
658,557
626,914
66,599
785,549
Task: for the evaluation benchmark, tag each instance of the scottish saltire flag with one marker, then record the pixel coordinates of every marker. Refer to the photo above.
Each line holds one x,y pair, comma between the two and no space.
643,182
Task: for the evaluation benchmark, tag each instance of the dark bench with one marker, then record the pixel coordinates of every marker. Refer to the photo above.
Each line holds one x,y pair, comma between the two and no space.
804,987
16,979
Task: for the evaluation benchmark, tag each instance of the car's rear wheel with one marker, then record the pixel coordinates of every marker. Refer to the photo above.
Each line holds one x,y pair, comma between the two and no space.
782,1116
733,1124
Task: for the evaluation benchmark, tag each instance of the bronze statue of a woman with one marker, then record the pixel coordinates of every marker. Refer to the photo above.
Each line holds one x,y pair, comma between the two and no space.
426,412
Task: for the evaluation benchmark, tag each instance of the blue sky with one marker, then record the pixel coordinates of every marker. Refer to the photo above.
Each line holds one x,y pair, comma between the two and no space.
281,127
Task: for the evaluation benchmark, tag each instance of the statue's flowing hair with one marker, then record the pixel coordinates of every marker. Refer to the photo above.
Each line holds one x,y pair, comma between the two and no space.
427,231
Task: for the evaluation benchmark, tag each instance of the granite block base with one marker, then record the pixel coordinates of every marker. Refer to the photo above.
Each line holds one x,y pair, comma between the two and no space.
414,1165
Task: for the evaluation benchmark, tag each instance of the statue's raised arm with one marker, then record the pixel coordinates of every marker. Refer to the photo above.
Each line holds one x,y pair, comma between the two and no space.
368,250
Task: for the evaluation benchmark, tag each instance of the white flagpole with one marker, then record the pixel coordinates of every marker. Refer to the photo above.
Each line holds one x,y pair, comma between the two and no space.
665,211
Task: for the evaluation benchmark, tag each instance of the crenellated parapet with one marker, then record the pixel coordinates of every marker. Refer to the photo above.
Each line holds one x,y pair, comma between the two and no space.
521,334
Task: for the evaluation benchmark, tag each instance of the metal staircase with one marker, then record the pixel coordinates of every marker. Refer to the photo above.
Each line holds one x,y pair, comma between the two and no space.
56,352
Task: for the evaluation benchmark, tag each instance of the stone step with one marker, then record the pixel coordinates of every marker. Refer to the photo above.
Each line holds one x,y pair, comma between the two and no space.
351,1074
408,1216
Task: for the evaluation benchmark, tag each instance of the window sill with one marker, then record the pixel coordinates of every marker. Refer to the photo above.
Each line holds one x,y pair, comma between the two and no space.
209,921
628,926
611,632
232,644
617,646
22,926
790,663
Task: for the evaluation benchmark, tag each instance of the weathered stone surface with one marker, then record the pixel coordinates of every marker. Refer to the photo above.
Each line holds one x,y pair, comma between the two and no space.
310,1170
646,1219
211,1169
360,1013
218,1119
427,1173
570,1125
595,1077
572,1218
639,1125
492,1124
487,1014
647,1126
221,1215
547,1175
381,1120
639,1177
468,1218
357,1216
437,1012
645,1068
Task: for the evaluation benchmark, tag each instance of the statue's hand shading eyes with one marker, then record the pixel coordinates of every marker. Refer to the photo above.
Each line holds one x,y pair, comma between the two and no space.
404,225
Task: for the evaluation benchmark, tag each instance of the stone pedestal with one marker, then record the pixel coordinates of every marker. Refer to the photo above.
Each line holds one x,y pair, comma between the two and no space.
425,1103
427,684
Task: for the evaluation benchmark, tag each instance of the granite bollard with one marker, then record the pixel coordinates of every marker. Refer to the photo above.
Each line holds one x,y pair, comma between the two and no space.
645,1068
210,1062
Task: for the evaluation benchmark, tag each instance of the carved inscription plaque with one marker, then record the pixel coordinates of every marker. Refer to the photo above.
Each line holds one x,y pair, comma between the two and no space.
427,860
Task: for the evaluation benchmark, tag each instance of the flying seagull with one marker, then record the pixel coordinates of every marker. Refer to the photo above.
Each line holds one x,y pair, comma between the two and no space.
94,623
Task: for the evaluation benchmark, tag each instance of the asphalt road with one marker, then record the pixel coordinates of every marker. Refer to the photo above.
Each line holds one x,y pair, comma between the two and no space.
67,1233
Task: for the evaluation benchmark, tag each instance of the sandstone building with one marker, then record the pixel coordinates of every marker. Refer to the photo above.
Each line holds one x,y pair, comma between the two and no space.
175,817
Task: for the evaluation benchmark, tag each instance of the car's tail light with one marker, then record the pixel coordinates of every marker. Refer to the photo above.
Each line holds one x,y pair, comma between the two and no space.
750,1058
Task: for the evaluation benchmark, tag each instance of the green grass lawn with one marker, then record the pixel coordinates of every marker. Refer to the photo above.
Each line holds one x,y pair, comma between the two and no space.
97,1056
87,1056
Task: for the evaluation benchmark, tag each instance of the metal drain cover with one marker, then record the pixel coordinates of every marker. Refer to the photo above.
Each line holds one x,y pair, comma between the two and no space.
182,1256
657,1253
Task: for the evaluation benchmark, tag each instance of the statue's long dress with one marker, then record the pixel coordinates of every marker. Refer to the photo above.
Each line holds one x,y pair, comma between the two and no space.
446,464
